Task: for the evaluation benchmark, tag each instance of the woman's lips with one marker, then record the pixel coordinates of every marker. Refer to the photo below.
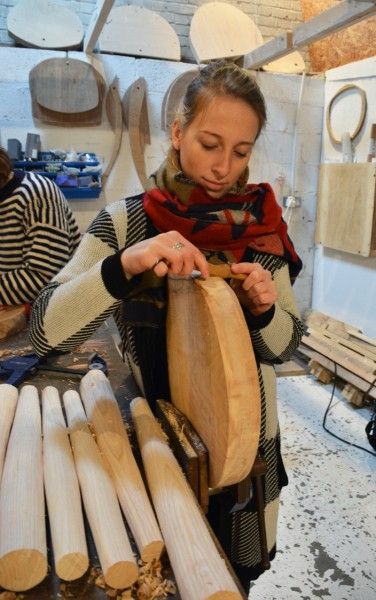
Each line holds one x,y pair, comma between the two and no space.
215,185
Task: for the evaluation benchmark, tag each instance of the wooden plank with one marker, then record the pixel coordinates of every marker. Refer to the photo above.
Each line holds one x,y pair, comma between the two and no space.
275,48
338,17
220,30
96,24
356,365
342,372
290,368
346,208
361,351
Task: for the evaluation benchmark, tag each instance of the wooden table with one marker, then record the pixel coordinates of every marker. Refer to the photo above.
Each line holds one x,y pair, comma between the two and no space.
103,343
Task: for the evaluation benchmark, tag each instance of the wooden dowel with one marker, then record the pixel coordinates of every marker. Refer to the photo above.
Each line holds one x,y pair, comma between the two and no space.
100,501
23,549
200,572
62,492
8,403
104,414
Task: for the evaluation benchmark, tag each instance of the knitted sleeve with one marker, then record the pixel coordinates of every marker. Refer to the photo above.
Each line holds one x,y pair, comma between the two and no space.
277,334
50,235
87,290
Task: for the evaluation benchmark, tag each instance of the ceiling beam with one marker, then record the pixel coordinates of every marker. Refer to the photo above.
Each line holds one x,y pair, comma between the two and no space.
344,14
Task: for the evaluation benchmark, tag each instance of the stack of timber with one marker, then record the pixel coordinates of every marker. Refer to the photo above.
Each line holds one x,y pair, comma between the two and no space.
335,347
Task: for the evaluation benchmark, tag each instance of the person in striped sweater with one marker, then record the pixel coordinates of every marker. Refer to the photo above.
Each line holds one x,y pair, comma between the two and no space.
198,208
38,233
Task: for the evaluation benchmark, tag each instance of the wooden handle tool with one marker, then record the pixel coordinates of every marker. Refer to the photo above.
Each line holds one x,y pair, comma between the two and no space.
223,270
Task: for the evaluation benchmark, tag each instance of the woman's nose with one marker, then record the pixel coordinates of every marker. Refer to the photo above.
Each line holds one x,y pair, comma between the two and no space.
222,165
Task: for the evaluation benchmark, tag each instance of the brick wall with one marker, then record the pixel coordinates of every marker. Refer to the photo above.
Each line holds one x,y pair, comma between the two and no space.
273,17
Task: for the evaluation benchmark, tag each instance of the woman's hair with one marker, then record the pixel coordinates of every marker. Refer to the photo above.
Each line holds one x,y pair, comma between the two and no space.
5,167
221,78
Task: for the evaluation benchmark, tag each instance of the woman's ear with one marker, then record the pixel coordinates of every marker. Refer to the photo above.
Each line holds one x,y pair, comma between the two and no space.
176,133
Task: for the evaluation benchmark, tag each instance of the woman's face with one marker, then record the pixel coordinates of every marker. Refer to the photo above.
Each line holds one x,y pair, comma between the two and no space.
216,146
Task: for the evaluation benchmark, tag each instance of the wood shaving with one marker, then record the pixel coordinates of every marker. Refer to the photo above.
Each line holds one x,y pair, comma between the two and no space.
150,585
13,352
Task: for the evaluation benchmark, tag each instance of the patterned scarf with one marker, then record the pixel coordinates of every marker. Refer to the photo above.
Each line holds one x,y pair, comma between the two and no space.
247,217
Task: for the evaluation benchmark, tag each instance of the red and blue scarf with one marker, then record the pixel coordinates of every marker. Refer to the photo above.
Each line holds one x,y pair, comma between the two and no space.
247,217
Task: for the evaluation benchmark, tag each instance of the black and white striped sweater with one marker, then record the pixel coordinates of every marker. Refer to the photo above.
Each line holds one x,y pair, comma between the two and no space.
92,286
38,235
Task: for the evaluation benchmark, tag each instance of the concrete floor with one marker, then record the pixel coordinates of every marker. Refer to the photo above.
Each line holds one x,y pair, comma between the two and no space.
327,528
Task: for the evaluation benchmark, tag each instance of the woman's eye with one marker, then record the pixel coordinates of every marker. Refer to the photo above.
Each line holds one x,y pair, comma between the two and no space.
208,146
240,154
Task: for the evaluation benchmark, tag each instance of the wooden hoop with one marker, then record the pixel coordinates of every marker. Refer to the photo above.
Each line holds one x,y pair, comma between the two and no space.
345,88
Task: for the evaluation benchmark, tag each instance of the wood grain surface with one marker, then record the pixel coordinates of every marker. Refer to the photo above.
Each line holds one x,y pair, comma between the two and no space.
213,374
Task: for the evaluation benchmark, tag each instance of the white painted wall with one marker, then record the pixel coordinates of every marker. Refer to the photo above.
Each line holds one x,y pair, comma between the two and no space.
345,284
270,162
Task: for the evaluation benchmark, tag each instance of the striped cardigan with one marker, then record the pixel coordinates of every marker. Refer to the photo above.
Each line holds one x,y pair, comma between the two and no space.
93,286
38,235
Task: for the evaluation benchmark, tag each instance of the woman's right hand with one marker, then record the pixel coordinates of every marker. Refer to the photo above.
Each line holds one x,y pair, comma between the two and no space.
165,253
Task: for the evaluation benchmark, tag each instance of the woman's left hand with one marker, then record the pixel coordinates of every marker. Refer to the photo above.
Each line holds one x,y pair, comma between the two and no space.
258,291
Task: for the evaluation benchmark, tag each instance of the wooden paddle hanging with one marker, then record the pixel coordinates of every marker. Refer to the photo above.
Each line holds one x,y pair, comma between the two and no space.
136,119
67,92
45,24
138,31
219,30
173,97
213,374
115,118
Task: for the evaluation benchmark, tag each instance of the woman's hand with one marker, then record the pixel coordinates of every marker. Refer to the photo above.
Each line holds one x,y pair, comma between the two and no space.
165,253
258,291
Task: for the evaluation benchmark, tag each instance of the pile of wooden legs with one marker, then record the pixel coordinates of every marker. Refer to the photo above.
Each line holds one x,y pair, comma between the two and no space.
45,451
336,348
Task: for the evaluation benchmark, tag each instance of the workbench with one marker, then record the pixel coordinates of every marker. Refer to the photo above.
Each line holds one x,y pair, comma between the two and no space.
104,344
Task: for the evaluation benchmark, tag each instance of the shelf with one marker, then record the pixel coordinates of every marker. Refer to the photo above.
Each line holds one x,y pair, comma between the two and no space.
70,192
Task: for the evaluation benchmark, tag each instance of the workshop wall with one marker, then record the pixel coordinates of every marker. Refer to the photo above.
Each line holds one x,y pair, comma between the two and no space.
273,17
345,284
271,160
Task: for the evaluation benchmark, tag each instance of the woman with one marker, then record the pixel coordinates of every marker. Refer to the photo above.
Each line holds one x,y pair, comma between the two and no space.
198,208
38,233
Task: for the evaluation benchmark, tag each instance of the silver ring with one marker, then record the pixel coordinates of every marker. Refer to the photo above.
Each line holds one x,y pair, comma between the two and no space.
178,246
